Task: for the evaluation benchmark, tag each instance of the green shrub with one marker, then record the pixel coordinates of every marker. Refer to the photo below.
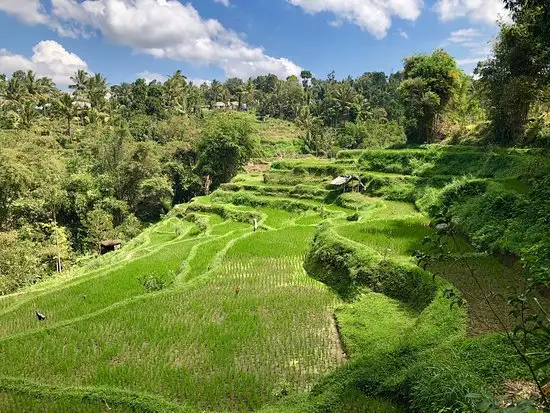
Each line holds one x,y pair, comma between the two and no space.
153,282
347,266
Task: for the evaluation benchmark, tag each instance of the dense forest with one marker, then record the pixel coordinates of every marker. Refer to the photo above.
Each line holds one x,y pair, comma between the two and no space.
100,161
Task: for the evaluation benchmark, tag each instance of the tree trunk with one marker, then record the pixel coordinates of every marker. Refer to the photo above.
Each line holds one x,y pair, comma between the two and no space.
206,182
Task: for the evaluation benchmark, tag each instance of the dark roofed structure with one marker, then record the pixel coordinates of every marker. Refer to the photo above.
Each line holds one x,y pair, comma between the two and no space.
109,246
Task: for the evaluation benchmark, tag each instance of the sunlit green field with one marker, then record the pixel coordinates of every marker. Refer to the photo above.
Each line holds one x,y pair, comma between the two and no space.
202,313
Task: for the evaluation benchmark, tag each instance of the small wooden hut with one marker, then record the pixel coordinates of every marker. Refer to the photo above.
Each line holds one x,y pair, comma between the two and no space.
344,180
109,246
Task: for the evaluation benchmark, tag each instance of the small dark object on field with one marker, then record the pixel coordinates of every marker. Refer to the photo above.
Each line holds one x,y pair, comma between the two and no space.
237,289
40,316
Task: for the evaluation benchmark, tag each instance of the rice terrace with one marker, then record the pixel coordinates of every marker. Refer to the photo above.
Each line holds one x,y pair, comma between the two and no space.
279,241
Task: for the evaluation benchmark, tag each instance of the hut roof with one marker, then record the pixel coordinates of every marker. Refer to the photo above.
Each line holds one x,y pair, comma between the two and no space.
111,243
342,180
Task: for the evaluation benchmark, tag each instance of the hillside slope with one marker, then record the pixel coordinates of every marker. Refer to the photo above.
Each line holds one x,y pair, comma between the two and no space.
202,313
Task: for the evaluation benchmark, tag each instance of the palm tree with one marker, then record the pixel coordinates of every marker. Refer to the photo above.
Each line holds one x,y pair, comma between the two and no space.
240,91
65,107
250,91
306,83
80,82
15,90
175,88
344,97
25,113
310,125
215,92
96,88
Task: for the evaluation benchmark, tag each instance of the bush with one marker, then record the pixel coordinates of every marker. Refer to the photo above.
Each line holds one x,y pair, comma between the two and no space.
346,267
153,282
371,134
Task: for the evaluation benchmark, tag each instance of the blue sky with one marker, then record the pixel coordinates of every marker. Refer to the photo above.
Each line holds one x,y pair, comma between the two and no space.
207,39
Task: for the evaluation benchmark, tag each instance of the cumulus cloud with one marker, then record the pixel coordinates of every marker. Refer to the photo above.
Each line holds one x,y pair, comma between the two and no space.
479,11
49,59
28,11
374,16
164,29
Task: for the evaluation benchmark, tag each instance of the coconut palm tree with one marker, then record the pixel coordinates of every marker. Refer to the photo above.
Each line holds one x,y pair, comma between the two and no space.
15,90
80,82
24,113
175,88
344,98
96,89
65,107
216,89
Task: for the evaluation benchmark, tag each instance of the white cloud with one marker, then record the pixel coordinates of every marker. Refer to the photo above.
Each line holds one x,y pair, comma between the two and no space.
28,11
164,29
375,16
479,11
403,34
473,44
226,3
150,76
464,35
468,61
49,59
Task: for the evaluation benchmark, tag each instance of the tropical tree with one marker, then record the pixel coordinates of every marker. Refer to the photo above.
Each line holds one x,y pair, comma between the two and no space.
214,93
511,80
345,100
15,90
96,90
80,82
226,145
306,83
25,113
430,82
314,136
175,89
66,108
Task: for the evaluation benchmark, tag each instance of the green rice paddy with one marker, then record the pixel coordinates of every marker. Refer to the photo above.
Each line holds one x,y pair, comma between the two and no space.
219,318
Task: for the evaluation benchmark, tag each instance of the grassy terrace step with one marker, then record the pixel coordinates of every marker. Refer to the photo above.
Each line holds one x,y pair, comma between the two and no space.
315,166
298,191
288,204
288,177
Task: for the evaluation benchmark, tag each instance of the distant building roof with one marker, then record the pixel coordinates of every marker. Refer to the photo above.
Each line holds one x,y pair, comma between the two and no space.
219,105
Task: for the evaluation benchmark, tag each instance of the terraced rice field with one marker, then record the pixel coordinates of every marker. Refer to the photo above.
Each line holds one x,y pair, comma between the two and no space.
212,316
